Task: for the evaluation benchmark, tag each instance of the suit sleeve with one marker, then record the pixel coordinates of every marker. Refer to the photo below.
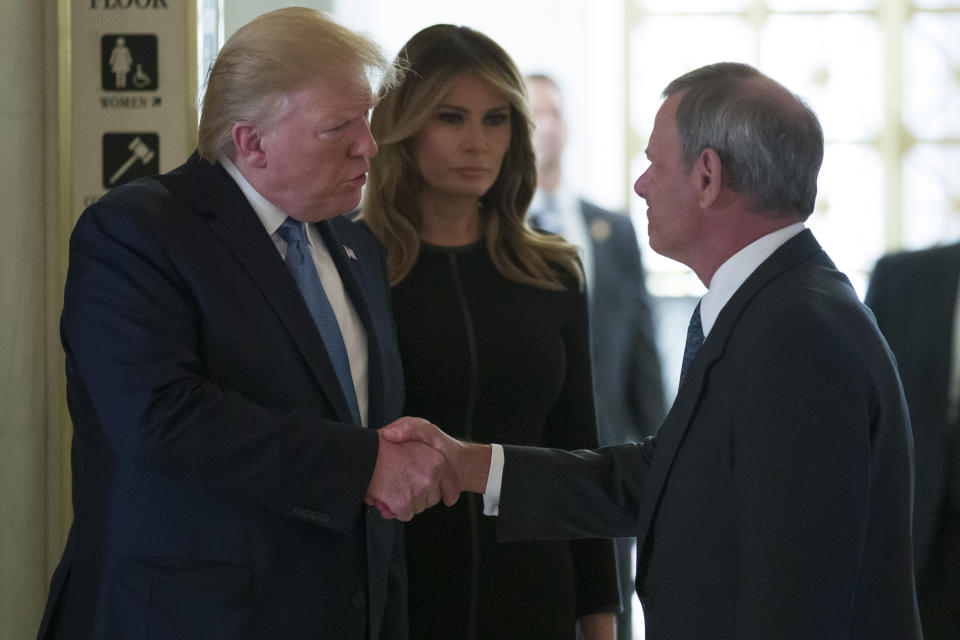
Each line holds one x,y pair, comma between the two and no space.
551,494
133,335
572,425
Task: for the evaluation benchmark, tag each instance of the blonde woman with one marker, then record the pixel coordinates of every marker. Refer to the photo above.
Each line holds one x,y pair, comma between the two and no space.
492,326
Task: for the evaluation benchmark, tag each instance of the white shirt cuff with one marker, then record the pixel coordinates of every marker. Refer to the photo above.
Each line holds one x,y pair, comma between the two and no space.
491,497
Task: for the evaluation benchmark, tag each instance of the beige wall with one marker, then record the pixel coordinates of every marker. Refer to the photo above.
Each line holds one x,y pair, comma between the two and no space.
30,279
239,12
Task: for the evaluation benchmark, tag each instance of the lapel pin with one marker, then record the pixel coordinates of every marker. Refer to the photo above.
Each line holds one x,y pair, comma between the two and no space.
350,253
600,230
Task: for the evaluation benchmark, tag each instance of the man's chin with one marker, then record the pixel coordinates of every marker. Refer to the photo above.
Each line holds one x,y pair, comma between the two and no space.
332,210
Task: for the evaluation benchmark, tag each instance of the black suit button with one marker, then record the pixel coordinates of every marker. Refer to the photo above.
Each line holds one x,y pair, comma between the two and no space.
321,517
358,600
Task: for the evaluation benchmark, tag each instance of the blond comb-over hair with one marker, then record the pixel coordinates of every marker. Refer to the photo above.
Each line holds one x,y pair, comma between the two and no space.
273,56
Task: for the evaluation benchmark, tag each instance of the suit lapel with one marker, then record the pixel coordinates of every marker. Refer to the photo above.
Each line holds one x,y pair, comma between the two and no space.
677,422
234,222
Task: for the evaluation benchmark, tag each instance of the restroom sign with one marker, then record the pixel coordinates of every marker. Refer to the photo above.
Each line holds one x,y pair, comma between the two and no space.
127,156
128,62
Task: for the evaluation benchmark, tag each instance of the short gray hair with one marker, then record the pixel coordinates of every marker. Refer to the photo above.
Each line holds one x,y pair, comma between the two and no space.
769,141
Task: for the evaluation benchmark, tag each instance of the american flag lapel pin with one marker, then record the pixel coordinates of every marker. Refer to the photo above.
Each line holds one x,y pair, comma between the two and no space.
350,253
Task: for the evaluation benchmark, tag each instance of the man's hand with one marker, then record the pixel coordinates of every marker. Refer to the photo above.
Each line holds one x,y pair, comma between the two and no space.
471,462
598,626
410,476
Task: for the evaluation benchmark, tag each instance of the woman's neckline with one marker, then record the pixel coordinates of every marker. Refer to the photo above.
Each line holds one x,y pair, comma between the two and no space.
461,248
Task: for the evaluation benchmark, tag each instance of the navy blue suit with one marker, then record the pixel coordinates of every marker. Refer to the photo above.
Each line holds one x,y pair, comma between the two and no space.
775,499
218,482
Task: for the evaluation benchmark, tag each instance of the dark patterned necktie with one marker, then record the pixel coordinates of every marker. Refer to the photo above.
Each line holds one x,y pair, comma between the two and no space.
694,342
300,262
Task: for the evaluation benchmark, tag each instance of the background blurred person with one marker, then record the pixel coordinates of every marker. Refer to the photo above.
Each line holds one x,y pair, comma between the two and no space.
913,294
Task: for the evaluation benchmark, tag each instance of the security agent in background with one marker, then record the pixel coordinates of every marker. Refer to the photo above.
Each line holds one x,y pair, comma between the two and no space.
628,381
914,295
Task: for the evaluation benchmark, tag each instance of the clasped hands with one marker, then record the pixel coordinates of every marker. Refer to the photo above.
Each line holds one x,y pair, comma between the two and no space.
418,464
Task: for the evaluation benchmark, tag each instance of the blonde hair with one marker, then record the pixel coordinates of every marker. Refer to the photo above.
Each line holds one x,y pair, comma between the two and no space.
271,57
434,58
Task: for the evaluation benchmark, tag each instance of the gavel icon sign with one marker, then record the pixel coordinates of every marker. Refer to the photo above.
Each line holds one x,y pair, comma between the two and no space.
140,152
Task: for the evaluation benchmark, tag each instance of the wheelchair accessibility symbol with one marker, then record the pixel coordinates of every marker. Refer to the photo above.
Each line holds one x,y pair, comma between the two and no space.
128,62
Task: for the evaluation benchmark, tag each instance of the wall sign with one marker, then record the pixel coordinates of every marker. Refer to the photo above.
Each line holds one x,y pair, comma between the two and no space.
127,156
133,91
128,62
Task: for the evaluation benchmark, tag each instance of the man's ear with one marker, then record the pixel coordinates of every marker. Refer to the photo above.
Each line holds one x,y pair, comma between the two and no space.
709,176
248,143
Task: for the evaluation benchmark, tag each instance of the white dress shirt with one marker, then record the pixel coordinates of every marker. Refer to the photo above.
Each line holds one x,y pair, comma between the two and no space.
354,334
725,282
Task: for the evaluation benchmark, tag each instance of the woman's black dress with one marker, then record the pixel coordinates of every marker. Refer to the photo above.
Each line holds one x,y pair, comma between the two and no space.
491,360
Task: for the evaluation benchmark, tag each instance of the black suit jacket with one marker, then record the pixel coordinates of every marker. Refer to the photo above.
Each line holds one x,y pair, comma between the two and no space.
218,483
628,383
775,500
914,296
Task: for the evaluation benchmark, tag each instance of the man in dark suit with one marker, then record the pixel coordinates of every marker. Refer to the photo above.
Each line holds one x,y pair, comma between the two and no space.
775,499
914,298
628,383
227,338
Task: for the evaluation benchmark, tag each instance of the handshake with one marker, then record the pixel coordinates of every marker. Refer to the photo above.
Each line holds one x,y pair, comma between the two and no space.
418,464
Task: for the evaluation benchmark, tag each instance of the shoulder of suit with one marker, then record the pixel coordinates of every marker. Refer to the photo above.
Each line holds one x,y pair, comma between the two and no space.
181,196
143,198
193,176
136,192
933,257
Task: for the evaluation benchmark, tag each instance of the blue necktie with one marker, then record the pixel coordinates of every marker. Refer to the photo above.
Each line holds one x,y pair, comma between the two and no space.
300,262
694,342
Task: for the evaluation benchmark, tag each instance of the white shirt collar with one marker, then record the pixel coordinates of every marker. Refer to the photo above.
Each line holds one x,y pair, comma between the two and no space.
270,215
737,269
